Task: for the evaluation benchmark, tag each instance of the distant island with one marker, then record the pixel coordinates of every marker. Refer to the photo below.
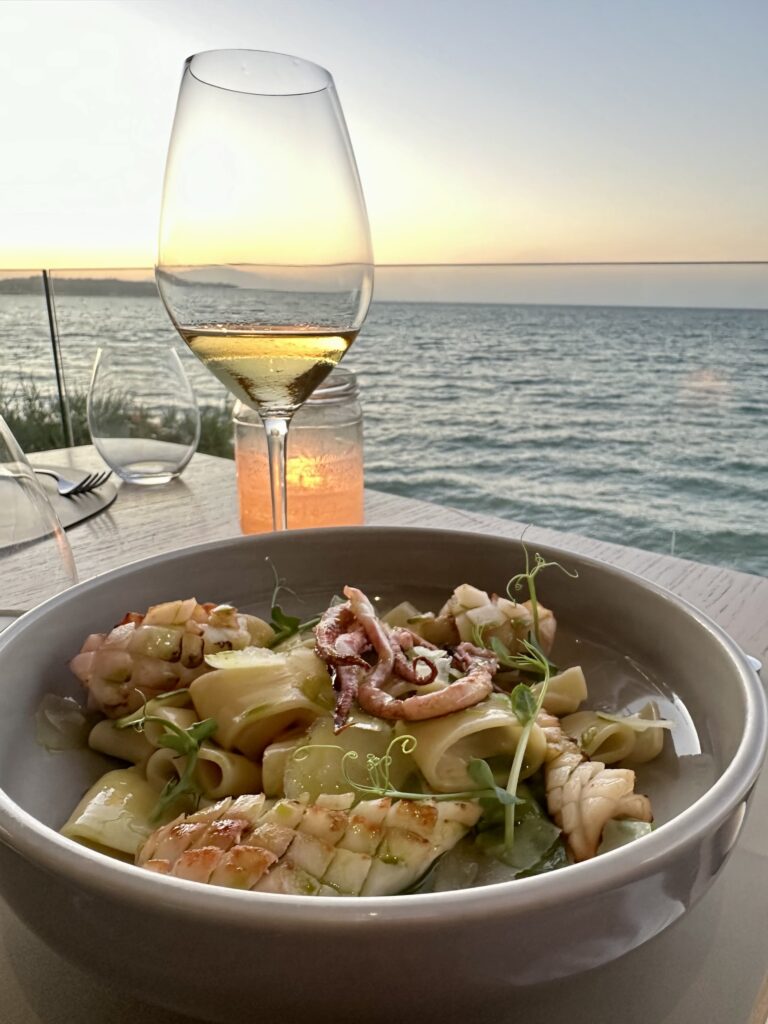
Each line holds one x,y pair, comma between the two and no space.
107,286
104,286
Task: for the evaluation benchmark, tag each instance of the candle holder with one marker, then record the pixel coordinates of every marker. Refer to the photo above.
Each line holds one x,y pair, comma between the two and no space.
325,460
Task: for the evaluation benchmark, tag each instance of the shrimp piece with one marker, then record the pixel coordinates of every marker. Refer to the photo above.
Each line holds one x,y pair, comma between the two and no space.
582,795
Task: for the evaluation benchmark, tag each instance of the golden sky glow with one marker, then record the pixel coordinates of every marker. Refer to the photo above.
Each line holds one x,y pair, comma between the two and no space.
490,131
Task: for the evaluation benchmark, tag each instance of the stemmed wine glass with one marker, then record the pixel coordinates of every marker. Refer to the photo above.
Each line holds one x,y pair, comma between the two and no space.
264,262
36,560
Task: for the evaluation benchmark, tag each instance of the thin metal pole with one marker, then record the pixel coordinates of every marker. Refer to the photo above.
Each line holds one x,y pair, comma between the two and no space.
66,419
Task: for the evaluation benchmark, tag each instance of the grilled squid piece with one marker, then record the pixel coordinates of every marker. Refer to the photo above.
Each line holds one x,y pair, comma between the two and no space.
326,848
583,796
511,622
165,649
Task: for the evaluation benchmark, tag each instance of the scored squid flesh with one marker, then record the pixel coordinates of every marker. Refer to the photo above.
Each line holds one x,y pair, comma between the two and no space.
327,848
582,795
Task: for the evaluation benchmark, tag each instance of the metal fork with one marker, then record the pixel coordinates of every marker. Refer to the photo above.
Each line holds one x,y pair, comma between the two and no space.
72,488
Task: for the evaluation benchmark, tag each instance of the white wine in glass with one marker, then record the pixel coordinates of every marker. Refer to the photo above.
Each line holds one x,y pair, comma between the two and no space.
268,368
265,262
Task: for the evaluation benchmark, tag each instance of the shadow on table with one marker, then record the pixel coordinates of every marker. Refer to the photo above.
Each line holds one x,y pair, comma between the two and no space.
642,988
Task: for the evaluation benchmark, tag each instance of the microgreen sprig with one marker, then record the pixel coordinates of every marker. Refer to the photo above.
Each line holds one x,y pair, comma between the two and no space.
524,703
528,578
478,635
378,770
526,707
185,742
528,660
532,660
285,626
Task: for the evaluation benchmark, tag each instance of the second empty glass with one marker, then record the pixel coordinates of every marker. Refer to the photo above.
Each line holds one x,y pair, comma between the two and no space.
142,414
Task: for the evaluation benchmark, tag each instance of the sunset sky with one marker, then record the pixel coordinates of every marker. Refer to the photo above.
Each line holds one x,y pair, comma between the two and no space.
490,130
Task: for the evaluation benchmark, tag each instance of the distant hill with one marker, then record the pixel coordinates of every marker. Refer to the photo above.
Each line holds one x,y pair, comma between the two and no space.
107,286
77,286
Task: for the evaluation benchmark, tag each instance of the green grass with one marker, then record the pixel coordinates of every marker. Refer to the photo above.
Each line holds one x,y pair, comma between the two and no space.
35,420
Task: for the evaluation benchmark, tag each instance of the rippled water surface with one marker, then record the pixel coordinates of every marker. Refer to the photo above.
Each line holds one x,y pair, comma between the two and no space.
644,426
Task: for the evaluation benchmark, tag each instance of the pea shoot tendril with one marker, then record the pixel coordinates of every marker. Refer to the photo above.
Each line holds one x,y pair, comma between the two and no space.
378,771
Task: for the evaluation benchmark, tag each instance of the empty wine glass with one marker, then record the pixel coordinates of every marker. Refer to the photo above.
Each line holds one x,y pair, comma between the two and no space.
142,413
35,557
264,261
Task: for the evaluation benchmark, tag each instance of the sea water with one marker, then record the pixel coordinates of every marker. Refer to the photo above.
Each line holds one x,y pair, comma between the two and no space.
642,426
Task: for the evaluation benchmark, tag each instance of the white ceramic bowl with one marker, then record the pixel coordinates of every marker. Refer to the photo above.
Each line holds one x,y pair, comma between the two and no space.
232,956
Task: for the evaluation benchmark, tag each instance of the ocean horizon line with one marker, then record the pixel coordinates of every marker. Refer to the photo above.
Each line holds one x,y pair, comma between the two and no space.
149,268
106,287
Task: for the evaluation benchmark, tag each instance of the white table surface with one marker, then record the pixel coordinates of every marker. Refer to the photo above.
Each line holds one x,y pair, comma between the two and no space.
709,967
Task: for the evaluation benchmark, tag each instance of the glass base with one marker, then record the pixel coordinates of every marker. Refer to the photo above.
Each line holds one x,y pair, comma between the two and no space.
144,460
147,474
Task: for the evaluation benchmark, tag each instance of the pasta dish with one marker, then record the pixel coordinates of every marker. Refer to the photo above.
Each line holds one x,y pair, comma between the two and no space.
358,753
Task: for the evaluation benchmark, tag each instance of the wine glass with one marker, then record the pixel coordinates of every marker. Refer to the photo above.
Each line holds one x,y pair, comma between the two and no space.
35,557
264,263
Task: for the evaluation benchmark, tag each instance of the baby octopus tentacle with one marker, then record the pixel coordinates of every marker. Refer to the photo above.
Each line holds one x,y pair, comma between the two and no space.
347,680
341,658
366,616
475,686
406,639
330,629
403,640
422,680
351,645
466,654
408,670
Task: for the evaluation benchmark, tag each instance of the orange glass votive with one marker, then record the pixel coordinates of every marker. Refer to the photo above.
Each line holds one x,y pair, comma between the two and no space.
324,466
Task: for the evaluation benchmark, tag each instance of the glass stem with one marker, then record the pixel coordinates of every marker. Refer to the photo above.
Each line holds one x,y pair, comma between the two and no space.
277,436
